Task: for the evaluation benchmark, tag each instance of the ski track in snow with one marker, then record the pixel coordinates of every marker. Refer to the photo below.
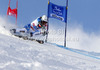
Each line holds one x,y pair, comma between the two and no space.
19,54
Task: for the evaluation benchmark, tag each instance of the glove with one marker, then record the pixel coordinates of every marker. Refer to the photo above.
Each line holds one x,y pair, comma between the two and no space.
44,33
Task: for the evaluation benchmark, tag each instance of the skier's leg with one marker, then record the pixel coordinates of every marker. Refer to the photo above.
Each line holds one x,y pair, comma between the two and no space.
21,30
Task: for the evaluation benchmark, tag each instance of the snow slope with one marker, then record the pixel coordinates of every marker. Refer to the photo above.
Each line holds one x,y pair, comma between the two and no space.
19,54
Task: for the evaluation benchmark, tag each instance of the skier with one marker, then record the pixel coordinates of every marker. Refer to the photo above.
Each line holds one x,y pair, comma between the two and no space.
36,30
36,25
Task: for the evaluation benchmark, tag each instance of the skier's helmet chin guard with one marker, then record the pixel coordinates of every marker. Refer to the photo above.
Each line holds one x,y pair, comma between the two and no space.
44,19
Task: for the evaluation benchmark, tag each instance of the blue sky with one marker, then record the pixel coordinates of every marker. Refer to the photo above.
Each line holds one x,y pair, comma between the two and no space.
84,12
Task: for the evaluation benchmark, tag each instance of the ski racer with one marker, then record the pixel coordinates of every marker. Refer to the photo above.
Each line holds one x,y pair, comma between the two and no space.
36,30
36,25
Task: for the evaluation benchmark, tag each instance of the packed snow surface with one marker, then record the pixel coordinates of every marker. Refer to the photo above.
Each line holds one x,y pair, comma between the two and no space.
19,54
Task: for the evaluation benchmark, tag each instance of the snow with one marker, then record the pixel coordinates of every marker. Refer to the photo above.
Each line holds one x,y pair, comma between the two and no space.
5,25
19,54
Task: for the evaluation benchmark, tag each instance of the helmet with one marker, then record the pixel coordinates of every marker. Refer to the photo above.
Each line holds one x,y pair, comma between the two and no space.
44,18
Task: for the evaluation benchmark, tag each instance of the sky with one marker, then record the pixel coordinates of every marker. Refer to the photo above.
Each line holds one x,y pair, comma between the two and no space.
80,12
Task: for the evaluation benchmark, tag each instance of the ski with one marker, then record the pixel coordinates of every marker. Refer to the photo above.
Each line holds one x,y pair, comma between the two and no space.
28,36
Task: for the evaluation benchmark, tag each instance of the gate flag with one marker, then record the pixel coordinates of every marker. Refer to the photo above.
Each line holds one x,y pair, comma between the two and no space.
12,12
58,12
